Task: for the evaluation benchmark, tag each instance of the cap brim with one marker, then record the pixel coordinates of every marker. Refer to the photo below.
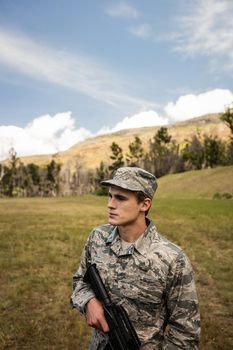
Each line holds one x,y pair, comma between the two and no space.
119,184
106,183
114,183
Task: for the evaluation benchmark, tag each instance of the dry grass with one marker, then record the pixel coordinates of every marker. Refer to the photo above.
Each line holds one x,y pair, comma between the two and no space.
41,242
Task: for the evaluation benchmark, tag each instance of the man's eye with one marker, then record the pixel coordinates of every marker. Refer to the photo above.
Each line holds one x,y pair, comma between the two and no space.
122,198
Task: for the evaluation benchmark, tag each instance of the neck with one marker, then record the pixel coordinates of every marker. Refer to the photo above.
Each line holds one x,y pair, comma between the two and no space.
131,233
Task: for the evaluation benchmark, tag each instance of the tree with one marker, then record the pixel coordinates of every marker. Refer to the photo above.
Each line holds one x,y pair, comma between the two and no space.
5,180
21,181
214,151
162,136
117,157
33,170
101,174
162,155
229,153
227,117
32,180
193,154
53,170
10,177
136,152
82,180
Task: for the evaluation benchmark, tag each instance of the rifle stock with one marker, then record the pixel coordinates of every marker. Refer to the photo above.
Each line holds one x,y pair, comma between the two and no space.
122,335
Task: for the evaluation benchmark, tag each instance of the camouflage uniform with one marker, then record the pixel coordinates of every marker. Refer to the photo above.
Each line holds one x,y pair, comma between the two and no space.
152,280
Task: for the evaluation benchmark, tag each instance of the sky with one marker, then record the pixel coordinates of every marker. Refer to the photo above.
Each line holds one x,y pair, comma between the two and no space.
72,69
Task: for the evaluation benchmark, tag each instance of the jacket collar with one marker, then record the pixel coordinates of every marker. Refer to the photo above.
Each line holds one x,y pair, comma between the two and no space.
114,241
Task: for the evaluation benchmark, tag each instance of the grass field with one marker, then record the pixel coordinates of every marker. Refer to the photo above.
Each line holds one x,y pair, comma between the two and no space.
203,183
41,242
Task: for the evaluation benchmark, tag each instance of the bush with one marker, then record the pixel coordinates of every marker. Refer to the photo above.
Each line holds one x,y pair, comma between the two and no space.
225,195
102,191
217,195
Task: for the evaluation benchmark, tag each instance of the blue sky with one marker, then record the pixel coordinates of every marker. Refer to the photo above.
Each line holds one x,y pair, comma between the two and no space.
72,69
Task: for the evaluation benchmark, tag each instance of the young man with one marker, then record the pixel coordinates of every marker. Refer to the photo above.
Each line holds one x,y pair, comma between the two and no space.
148,275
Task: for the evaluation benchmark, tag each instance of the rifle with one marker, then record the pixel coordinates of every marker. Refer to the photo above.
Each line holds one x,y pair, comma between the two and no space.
122,335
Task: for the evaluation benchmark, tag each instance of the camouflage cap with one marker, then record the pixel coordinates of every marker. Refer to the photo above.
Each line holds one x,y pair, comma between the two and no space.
134,179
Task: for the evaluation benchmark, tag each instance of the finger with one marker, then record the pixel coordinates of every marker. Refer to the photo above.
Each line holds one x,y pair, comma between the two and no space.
104,325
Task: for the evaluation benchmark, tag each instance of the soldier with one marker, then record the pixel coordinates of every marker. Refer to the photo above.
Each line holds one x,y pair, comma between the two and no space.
148,275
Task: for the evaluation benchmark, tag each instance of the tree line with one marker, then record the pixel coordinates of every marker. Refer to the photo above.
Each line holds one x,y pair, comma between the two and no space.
19,180
162,156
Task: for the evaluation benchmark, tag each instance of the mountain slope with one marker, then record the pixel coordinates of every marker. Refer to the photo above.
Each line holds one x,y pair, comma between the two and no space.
90,152
197,183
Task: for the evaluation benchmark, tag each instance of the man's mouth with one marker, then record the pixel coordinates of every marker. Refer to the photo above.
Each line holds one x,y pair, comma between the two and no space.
112,214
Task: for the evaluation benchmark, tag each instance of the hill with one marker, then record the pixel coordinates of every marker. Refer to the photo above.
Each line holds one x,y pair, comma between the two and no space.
203,183
90,152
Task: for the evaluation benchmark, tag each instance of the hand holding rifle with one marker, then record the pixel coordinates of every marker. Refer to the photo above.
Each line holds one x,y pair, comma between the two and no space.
110,318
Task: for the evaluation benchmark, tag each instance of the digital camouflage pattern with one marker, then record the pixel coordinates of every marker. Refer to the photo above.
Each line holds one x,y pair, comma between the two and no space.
154,283
134,179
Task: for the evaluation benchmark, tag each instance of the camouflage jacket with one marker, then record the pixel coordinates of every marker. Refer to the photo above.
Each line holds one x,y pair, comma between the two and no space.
154,282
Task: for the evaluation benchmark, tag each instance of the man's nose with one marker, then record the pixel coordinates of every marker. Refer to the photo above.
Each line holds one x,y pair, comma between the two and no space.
111,203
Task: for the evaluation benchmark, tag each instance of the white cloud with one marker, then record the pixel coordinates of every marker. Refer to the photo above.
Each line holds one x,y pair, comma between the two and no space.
122,10
206,29
45,134
189,106
142,31
77,72
146,118
51,134
139,120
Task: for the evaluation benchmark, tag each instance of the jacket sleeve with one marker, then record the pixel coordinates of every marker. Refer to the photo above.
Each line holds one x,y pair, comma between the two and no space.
183,326
82,292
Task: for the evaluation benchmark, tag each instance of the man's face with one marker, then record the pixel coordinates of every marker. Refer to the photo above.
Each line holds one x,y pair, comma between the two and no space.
123,207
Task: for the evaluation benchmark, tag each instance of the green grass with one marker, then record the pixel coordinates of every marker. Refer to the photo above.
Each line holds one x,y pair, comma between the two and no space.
41,241
203,228
203,183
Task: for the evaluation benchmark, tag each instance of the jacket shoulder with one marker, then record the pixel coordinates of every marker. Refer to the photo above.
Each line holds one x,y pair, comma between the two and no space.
167,250
102,232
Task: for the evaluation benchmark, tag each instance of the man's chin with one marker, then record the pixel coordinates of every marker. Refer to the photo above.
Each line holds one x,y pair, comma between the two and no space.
112,221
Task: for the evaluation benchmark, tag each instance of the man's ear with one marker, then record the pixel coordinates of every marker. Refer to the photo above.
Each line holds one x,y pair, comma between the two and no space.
146,204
